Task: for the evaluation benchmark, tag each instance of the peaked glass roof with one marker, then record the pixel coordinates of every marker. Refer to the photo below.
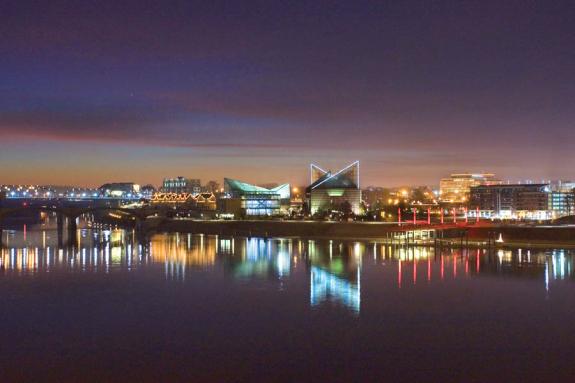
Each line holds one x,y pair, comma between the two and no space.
346,178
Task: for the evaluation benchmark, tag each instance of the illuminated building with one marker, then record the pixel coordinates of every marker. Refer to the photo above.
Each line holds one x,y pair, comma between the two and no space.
517,201
181,185
147,191
329,191
202,201
456,188
171,198
119,189
243,199
562,203
562,198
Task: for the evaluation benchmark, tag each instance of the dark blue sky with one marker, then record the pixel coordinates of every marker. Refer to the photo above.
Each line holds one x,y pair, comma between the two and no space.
138,90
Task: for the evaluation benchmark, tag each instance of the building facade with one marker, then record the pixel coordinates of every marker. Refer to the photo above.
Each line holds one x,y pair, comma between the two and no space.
562,203
332,191
243,200
516,201
182,185
120,190
562,198
456,188
202,201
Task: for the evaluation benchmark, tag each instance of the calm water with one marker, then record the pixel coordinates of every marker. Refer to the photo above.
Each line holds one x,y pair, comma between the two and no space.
206,308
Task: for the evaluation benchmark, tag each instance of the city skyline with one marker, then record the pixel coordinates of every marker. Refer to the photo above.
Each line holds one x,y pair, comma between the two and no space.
157,183
287,191
415,91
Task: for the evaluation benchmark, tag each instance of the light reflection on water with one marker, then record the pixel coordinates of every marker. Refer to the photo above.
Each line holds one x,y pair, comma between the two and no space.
185,307
334,267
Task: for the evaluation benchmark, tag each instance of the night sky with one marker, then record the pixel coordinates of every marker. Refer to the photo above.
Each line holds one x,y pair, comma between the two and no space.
95,91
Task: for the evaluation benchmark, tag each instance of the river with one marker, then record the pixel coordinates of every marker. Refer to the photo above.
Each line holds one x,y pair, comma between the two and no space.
192,307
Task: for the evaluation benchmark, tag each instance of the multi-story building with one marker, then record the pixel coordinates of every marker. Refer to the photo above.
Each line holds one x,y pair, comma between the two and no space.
562,198
516,201
456,188
182,185
562,203
331,191
243,199
120,190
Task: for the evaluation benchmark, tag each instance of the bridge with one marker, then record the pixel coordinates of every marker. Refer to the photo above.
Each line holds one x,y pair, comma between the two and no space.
69,210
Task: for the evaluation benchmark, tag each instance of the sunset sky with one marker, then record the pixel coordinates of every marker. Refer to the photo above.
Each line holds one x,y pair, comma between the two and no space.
98,91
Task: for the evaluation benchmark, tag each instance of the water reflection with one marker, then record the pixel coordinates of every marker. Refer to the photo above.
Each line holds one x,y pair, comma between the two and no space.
257,257
335,273
38,251
333,269
179,252
325,286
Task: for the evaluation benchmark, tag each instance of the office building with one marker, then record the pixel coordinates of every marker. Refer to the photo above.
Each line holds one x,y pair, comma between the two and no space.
332,191
562,203
516,201
456,188
562,198
182,185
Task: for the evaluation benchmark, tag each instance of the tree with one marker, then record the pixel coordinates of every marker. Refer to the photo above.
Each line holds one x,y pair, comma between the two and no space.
345,209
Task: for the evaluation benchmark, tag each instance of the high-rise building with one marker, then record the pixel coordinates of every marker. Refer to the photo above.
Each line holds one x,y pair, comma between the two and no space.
456,188
182,185
332,191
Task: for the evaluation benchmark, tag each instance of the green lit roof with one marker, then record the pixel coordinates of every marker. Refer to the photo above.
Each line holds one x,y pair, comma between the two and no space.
243,187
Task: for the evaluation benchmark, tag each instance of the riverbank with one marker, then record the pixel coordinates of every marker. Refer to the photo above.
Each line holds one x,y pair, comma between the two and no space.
454,236
301,229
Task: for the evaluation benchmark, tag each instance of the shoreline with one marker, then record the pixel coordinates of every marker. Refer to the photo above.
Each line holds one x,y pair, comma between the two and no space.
476,236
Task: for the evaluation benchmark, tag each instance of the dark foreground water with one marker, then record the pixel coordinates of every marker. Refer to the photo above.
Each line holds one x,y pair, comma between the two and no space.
199,308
